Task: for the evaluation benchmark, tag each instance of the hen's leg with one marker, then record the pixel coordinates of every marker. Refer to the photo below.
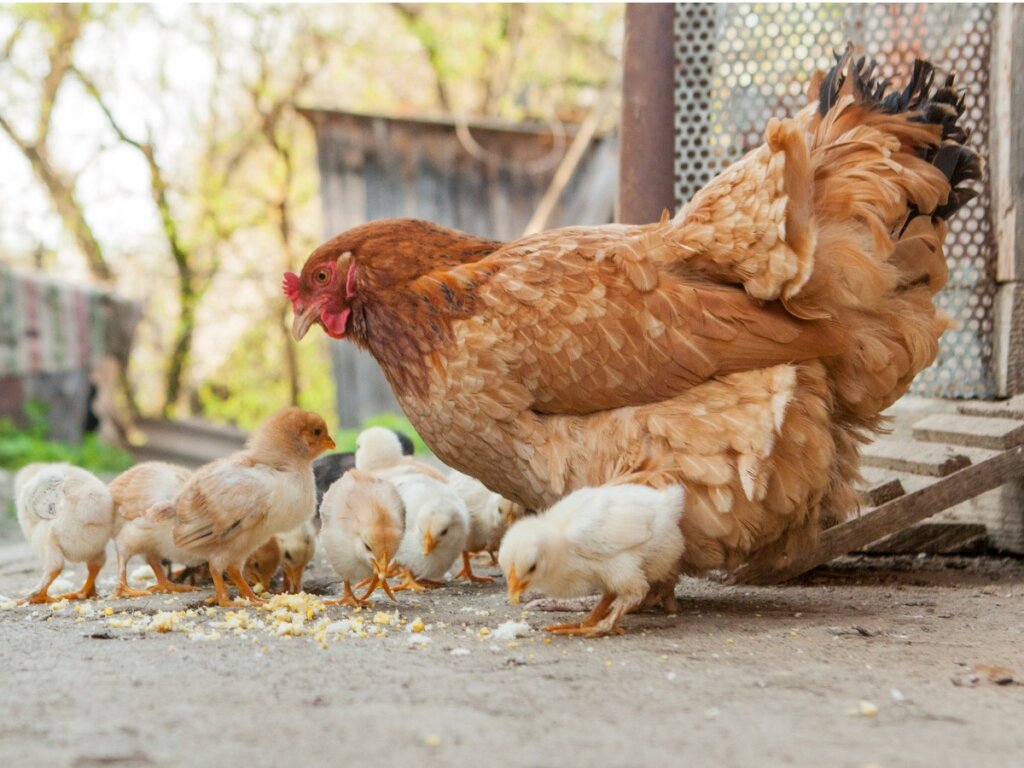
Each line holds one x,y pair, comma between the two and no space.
89,587
348,597
163,584
39,594
599,612
466,572
122,589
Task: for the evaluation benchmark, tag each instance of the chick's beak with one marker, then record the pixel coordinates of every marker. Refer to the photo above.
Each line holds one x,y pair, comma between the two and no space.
292,578
329,443
428,543
304,319
515,586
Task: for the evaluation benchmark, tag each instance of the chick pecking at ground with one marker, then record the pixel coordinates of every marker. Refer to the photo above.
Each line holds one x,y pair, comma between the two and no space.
144,524
362,523
487,520
297,549
263,563
618,539
436,530
231,506
379,451
68,515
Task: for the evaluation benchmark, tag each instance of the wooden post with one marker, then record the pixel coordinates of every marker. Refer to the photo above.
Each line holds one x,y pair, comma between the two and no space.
646,175
1006,174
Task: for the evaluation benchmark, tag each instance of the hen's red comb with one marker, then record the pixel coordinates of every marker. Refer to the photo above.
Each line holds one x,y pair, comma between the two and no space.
290,286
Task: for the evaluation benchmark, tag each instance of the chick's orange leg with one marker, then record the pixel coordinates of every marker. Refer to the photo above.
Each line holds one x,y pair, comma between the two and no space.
416,585
163,584
577,628
89,587
348,597
40,594
244,590
466,572
123,589
220,592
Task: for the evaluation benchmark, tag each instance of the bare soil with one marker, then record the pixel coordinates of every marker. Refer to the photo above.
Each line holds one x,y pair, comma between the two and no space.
869,662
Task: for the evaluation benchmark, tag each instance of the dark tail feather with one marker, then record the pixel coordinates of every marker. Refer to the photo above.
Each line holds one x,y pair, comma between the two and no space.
942,105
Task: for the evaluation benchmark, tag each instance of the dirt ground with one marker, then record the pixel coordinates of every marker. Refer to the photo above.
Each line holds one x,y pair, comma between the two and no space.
866,663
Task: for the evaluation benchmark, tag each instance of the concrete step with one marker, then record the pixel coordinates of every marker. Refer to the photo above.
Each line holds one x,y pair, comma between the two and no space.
1005,409
914,457
994,433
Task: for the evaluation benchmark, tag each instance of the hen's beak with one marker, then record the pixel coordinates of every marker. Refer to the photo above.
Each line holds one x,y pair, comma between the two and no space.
515,586
304,319
428,543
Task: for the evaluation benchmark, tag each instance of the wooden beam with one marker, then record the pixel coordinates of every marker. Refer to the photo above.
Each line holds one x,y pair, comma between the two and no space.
894,516
647,128
1006,164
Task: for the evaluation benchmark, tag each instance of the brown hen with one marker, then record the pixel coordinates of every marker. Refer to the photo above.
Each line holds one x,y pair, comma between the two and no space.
743,348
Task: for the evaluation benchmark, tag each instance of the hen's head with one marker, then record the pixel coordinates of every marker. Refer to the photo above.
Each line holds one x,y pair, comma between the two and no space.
364,261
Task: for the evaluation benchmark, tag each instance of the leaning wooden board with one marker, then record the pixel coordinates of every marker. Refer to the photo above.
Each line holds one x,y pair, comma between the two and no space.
945,476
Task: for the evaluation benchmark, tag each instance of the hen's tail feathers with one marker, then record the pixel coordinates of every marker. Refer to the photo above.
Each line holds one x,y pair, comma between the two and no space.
941,105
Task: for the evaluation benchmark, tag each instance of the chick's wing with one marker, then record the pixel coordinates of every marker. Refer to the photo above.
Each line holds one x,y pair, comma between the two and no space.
221,502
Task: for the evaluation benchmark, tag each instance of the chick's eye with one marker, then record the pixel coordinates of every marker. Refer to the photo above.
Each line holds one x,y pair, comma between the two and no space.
322,276
444,531
532,568
317,432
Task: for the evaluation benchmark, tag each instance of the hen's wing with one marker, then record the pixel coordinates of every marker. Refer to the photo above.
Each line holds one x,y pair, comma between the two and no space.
583,320
221,503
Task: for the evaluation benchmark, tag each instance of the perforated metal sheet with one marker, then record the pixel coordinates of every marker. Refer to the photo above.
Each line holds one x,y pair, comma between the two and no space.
738,65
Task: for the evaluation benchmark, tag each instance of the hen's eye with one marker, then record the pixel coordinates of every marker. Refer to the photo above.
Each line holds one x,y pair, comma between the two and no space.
322,276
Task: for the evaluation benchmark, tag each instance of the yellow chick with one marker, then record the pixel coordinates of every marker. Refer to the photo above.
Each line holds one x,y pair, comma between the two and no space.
297,549
67,514
231,506
362,519
486,519
379,451
616,539
144,524
436,527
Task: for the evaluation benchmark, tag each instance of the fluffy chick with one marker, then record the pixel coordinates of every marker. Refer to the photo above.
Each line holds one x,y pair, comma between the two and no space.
144,523
231,506
363,520
486,519
379,451
67,514
436,529
618,539
262,564
329,469
297,549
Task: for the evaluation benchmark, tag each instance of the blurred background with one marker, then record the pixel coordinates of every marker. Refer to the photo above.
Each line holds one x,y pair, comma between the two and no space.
162,166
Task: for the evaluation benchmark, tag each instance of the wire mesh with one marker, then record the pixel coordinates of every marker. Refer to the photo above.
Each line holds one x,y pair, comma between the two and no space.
738,65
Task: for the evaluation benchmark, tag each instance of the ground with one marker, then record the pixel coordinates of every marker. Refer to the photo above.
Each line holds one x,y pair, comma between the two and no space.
868,662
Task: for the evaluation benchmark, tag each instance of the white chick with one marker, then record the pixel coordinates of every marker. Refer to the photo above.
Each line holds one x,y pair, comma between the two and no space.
230,507
379,451
486,519
362,519
297,549
436,528
618,539
67,514
144,524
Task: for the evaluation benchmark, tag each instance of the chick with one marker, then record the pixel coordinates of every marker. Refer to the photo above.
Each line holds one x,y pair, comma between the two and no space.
231,506
144,524
436,529
379,451
486,519
363,520
67,514
297,549
262,564
618,539
331,467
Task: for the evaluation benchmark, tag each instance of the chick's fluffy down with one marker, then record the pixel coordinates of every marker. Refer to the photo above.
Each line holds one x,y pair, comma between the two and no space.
431,507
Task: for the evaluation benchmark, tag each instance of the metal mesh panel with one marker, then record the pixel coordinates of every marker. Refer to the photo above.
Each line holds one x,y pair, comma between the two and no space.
738,65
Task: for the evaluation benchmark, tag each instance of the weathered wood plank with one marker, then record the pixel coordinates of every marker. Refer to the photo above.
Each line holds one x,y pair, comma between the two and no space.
975,431
933,539
914,457
883,492
894,516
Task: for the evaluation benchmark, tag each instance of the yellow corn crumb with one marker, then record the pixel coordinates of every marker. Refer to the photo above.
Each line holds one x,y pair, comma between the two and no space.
484,631
108,611
417,625
382,618
609,663
433,740
547,641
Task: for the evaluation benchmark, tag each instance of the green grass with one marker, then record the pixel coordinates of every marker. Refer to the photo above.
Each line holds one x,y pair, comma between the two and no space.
19,447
